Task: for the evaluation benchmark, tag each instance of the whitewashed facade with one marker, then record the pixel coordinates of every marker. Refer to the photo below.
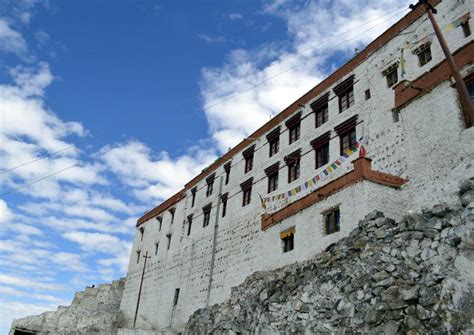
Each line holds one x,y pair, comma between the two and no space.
424,141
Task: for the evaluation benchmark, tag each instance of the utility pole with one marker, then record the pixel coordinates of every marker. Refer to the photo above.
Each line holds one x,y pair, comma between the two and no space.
214,241
140,290
467,105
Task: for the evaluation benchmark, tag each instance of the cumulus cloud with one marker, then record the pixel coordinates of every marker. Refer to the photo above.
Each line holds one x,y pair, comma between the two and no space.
211,39
155,177
11,40
5,213
264,81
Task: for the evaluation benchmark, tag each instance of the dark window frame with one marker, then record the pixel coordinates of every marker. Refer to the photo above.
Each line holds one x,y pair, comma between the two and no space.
227,168
273,139
345,93
288,240
272,173
248,156
176,297
391,75
157,244
294,128
246,187
206,210
293,163
172,212
346,128
332,221
424,54
168,236
368,95
210,184
193,196
466,28
224,204
138,256
190,223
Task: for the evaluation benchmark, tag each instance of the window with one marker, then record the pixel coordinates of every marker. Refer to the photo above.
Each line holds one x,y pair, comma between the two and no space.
294,132
210,184
466,28
288,239
248,156
224,204
156,248
190,222
193,196
294,128
138,256
168,236
206,211
347,134
391,74
160,222
424,53
469,80
321,149
227,167
272,174
142,232
172,210
293,163
320,109
176,297
331,221
345,93
367,94
273,139
246,191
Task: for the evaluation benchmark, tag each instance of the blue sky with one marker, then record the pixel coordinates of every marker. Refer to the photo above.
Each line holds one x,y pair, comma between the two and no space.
138,97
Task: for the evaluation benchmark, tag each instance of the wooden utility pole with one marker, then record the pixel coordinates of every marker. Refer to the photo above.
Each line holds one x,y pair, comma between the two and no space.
140,289
467,105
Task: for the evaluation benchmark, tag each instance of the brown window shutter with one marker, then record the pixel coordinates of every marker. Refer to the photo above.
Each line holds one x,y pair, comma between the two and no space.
249,151
211,178
294,120
247,184
272,169
344,86
321,102
293,156
346,125
321,140
273,134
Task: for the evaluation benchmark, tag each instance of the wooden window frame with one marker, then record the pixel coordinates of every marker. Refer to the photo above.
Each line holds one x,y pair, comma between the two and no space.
391,75
224,198
272,173
248,156
293,163
190,223
345,128
321,116
321,146
142,233
273,139
466,28
193,196
206,210
294,133
172,212
367,94
287,238
246,187
424,54
345,93
332,221
227,168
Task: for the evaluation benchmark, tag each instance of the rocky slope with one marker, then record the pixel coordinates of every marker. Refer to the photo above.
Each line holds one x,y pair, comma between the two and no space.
413,276
93,311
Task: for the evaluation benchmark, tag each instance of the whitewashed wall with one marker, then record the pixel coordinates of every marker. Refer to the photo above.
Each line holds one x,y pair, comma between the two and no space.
428,145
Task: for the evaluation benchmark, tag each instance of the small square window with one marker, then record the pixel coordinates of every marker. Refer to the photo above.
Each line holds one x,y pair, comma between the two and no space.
288,239
392,77
367,94
466,28
331,221
424,53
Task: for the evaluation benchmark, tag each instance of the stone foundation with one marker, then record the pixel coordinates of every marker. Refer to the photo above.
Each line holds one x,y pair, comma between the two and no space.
414,276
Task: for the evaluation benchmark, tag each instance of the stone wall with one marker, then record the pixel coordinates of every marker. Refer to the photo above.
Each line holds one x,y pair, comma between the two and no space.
388,277
93,311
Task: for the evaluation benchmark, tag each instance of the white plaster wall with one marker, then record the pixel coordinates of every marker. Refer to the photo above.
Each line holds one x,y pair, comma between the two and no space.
429,146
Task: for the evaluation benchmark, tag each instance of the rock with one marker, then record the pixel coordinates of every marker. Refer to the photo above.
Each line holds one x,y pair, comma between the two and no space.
440,210
467,198
411,322
391,328
466,185
410,294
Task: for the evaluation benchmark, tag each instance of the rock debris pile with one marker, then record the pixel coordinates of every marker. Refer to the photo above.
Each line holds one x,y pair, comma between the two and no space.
414,276
93,311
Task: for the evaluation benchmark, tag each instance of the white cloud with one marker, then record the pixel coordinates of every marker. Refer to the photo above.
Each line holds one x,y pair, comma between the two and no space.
11,40
235,16
155,177
277,74
5,213
211,39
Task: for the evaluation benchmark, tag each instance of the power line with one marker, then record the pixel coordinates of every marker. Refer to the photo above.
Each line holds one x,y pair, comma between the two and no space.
207,108
306,49
53,174
36,160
